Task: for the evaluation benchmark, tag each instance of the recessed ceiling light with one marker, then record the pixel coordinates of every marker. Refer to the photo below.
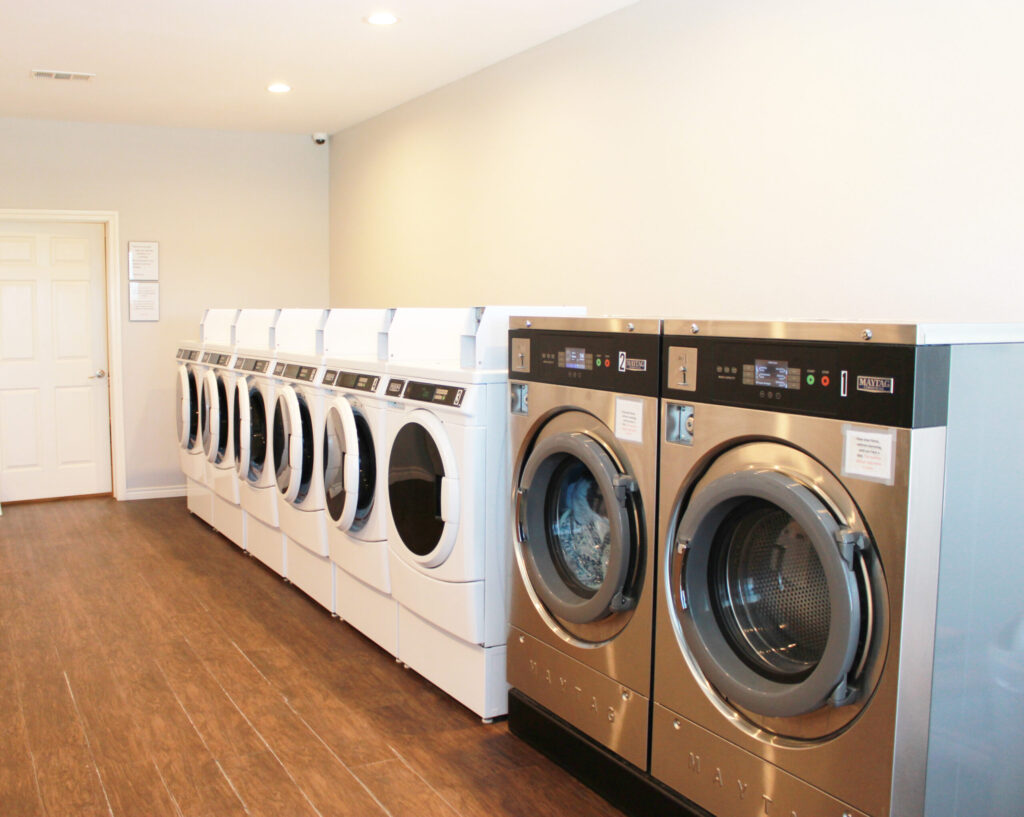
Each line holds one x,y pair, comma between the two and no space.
279,88
382,18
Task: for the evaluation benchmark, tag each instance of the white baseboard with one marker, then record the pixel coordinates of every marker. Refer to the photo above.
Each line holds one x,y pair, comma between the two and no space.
155,493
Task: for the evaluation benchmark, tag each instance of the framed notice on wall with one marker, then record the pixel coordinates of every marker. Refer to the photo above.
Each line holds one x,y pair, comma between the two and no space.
143,301
143,260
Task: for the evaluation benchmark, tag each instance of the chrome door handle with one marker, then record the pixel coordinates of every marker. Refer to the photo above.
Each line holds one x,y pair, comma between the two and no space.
99,374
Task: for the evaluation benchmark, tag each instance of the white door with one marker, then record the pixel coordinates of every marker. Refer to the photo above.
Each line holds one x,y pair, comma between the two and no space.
54,398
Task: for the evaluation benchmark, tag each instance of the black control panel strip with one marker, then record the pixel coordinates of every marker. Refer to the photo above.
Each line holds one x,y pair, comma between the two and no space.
612,361
901,386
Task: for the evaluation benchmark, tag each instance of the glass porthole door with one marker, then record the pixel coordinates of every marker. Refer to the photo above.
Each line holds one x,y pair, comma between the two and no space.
771,592
423,489
293,445
241,426
349,466
187,419
577,530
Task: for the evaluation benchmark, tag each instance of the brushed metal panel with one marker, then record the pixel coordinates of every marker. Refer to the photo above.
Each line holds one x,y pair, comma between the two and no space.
895,333
638,326
729,781
603,709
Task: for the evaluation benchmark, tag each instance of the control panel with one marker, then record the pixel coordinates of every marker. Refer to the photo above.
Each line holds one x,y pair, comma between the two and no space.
434,393
883,384
295,371
620,362
252,364
352,380
188,354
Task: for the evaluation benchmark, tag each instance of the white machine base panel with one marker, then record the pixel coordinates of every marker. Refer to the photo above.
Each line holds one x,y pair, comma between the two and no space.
260,503
312,574
199,500
727,780
471,674
228,519
457,607
266,544
371,612
308,528
367,561
193,464
224,482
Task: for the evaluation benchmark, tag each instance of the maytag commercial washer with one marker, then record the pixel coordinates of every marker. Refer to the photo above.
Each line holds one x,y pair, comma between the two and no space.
584,438
838,569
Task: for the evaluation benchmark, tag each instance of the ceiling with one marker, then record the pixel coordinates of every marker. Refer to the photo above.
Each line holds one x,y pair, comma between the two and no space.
207,63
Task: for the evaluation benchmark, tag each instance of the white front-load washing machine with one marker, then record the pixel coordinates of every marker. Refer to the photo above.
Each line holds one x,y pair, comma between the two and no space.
216,422
448,476
840,566
298,422
188,412
253,401
355,469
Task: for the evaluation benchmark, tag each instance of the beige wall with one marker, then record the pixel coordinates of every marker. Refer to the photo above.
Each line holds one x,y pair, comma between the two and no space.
241,219
764,160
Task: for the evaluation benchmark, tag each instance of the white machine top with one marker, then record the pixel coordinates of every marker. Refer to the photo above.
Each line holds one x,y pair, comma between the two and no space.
300,332
252,330
461,337
217,328
357,334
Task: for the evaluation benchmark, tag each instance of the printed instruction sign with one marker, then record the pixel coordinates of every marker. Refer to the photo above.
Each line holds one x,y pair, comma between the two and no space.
869,453
143,301
143,260
629,419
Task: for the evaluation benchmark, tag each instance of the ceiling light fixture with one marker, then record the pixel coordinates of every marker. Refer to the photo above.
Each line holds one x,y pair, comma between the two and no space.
382,18
279,88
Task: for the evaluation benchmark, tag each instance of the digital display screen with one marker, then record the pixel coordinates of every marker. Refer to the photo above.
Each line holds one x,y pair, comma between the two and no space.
575,357
772,373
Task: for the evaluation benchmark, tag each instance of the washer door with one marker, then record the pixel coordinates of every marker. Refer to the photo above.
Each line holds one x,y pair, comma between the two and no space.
258,436
577,532
215,426
423,488
187,419
293,445
241,424
350,465
771,589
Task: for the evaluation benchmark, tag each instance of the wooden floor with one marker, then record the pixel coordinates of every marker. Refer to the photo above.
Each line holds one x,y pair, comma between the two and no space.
149,667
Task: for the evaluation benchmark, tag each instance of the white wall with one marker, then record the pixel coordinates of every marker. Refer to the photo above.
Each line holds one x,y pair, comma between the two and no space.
232,212
699,158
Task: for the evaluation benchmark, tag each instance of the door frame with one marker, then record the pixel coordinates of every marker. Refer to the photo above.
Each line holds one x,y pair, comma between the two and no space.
115,364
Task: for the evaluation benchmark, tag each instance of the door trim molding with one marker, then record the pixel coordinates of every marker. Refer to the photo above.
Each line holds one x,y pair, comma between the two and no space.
109,220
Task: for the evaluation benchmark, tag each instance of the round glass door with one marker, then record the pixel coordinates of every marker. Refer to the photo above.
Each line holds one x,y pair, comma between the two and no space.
577,529
205,404
258,429
423,489
350,466
220,449
187,419
240,426
768,587
293,446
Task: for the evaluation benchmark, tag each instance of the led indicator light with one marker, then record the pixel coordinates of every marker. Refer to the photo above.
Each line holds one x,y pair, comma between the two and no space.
824,380
810,380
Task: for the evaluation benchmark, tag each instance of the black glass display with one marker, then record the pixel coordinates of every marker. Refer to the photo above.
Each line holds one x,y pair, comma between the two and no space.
579,531
769,592
415,472
257,434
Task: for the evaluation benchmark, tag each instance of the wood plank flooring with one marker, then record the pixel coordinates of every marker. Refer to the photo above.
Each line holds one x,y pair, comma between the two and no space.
149,667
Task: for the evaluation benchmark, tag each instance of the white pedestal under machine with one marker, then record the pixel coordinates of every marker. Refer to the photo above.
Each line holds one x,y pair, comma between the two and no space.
584,437
216,422
355,470
839,631
255,395
297,443
188,388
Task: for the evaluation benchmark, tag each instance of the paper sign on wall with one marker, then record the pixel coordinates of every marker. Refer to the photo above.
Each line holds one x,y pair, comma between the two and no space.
143,301
869,453
629,419
143,260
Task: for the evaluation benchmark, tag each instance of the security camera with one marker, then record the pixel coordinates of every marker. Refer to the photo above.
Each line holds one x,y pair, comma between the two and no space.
320,138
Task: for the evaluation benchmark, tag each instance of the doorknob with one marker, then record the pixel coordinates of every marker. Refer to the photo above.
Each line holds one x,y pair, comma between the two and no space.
99,374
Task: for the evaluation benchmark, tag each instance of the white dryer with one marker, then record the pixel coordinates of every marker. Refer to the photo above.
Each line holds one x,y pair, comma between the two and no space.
215,422
448,480
355,469
253,402
297,425
188,388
